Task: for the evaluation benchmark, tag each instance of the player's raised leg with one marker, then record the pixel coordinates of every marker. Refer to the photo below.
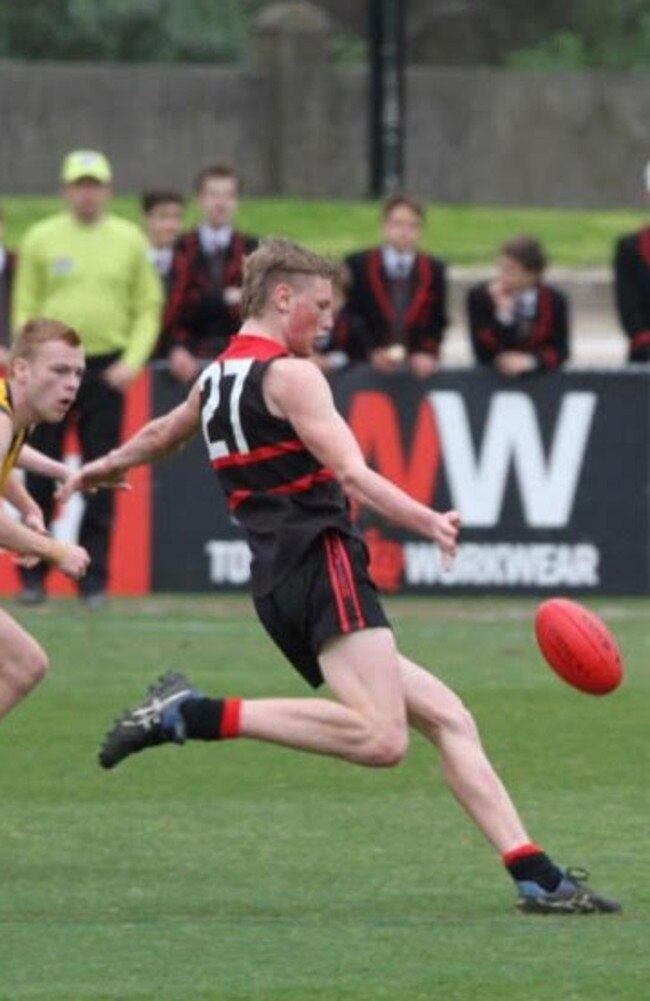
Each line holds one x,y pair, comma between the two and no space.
23,663
366,725
440,715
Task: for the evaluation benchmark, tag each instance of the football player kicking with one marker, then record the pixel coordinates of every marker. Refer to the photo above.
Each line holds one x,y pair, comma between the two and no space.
45,371
289,464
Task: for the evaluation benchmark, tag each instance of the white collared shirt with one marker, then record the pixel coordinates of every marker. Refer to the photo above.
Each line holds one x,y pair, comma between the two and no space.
527,302
161,258
3,259
523,305
212,239
397,263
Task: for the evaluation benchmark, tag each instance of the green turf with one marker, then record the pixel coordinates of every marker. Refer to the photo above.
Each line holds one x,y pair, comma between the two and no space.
460,234
243,872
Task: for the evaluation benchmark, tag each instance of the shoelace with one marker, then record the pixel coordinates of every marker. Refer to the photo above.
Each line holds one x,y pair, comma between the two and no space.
578,875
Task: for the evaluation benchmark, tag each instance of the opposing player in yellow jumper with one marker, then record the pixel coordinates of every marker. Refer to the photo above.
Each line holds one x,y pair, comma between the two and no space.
46,367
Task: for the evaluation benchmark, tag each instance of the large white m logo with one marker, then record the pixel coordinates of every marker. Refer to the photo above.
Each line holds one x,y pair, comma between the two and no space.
477,481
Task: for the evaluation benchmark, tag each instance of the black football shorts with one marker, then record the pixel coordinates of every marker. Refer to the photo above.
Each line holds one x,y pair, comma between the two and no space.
328,594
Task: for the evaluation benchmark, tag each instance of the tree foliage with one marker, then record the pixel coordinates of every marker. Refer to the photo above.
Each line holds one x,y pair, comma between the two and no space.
552,34
607,36
525,33
621,48
125,30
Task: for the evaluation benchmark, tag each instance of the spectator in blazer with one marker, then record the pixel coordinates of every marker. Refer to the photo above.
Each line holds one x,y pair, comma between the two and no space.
206,279
632,286
519,324
395,313
162,221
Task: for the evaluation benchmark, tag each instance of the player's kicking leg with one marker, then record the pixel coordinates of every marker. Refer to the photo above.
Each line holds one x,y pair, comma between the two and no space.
22,663
377,692
367,725
543,887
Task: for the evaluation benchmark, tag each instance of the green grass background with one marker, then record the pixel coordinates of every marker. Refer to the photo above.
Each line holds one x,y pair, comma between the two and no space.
460,234
243,872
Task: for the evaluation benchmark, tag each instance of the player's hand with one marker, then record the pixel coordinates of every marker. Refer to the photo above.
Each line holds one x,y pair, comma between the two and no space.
60,492
232,295
73,562
389,359
119,376
32,518
422,365
183,365
94,476
445,529
513,363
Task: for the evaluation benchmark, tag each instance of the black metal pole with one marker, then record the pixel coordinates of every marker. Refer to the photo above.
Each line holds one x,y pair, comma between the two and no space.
387,95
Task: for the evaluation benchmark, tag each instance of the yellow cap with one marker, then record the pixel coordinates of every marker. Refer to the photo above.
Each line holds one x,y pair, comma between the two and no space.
86,163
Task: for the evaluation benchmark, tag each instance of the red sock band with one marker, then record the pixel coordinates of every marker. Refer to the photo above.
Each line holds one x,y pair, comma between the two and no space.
521,852
230,718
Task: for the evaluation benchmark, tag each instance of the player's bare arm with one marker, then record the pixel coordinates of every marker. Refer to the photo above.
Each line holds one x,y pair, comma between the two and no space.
33,461
17,494
296,390
30,513
160,437
72,560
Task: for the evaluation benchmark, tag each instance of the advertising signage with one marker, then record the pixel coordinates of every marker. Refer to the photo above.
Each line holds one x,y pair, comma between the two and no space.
550,476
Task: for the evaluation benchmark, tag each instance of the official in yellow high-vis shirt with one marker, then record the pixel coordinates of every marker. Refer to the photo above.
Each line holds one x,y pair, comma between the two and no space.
89,269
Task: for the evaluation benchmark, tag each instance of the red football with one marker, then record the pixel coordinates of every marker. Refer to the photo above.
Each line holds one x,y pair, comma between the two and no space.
578,646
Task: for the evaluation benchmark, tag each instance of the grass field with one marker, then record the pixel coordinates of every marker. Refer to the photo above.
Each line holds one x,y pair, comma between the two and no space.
460,234
243,872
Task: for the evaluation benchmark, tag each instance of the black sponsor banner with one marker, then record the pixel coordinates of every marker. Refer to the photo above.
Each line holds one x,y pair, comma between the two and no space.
550,475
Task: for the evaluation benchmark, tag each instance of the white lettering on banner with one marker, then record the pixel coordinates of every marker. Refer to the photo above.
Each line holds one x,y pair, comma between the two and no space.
477,481
504,564
229,562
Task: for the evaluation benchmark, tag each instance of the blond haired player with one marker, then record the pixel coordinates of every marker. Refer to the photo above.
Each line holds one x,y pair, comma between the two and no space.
288,463
45,370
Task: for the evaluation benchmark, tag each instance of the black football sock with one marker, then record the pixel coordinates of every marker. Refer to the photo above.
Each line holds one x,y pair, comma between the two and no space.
211,719
529,863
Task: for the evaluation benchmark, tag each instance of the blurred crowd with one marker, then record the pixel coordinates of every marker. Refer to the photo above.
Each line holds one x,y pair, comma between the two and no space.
394,297
163,293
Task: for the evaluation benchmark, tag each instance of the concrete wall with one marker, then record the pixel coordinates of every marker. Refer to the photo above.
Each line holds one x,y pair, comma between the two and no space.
296,125
557,139
157,124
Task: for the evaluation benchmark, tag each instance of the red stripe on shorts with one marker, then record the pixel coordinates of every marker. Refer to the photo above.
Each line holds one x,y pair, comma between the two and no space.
351,585
343,584
339,598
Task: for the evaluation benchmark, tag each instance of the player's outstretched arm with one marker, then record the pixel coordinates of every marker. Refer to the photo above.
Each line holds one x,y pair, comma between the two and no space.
158,438
296,390
34,461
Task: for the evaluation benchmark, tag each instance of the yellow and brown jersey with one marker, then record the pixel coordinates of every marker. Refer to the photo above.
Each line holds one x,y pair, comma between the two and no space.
18,437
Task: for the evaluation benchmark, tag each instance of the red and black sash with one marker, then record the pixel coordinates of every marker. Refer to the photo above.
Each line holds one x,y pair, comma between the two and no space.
421,295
